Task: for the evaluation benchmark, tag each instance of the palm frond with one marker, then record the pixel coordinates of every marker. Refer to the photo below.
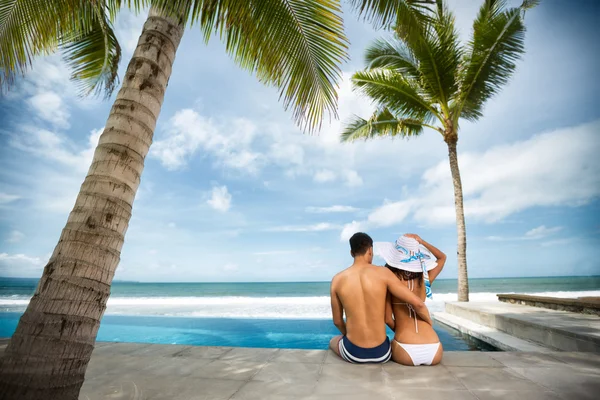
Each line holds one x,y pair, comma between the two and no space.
94,57
295,45
29,28
497,43
382,123
392,91
393,55
446,48
431,37
384,13
529,4
114,6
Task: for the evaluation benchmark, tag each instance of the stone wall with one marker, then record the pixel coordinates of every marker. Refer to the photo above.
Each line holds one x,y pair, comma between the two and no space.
587,305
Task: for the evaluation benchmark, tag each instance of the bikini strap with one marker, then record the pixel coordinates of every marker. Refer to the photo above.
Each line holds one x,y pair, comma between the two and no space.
412,311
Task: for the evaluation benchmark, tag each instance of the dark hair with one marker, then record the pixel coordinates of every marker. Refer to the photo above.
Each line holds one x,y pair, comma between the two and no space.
405,275
359,244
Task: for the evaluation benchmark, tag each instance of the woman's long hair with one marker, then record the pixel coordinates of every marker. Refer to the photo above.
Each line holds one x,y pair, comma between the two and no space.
406,275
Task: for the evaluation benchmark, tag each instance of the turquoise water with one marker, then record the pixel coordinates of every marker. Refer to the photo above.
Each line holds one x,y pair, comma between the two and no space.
239,332
285,315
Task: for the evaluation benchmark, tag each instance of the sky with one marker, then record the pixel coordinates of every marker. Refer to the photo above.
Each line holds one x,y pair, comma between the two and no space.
233,190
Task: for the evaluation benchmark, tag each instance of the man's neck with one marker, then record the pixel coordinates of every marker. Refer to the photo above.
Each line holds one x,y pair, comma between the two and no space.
360,262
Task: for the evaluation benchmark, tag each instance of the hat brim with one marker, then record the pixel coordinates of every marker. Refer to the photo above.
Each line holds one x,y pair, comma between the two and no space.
395,258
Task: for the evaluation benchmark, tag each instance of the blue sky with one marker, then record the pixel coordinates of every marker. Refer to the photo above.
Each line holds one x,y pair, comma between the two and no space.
234,191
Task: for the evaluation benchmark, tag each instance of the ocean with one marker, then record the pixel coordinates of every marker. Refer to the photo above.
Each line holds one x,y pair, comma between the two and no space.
289,300
283,315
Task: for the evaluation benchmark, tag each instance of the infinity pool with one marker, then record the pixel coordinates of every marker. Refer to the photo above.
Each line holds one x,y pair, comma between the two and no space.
271,333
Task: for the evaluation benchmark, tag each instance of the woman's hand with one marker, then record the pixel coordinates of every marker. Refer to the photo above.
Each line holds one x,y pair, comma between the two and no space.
414,236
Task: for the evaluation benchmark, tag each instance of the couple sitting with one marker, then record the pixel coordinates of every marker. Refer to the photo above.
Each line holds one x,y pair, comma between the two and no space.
373,296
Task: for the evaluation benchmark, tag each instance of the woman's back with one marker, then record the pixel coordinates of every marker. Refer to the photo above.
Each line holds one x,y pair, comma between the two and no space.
409,327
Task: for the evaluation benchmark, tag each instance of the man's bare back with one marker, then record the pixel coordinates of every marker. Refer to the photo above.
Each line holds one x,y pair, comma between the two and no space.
360,291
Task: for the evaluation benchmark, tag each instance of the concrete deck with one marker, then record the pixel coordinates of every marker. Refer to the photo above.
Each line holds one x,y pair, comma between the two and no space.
137,371
492,336
560,330
174,372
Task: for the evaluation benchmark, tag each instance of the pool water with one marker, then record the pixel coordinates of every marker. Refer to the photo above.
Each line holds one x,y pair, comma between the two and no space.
270,333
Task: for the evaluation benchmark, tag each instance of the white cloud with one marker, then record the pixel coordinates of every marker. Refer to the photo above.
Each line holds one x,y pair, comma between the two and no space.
287,153
319,227
560,242
54,147
331,209
390,213
556,168
549,169
55,187
50,107
6,198
187,133
220,199
350,229
542,232
190,132
352,178
5,257
21,265
238,146
324,176
15,236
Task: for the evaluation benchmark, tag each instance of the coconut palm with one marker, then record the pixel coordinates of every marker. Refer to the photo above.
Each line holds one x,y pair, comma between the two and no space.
425,78
295,45
81,29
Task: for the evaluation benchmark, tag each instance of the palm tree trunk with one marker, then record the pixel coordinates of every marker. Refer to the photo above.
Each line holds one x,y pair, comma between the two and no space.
463,282
51,347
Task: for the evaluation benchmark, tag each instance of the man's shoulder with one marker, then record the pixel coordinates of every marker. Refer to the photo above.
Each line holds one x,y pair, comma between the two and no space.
338,276
379,271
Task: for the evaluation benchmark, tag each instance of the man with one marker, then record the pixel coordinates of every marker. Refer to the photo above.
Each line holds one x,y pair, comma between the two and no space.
360,291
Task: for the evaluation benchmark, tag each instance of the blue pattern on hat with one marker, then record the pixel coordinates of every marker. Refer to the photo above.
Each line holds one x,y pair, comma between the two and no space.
420,257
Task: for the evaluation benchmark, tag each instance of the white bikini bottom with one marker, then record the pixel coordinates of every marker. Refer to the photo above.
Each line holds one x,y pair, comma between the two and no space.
420,354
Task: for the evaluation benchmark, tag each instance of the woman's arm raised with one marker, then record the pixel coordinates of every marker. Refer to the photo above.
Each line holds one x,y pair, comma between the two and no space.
437,253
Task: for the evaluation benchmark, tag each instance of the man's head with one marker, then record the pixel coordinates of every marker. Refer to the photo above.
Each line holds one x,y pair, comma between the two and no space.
361,245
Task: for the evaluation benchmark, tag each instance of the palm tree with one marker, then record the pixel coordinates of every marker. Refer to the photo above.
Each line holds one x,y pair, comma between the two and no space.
81,29
295,45
425,78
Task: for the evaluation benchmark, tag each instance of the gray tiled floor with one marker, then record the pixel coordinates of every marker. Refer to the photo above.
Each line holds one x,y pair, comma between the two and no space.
153,372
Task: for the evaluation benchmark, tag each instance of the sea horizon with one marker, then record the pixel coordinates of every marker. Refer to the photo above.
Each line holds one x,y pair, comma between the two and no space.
282,300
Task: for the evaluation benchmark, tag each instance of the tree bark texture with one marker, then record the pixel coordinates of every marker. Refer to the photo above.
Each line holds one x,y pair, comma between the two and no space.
48,354
463,282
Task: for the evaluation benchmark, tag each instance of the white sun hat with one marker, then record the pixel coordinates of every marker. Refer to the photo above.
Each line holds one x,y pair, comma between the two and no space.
406,254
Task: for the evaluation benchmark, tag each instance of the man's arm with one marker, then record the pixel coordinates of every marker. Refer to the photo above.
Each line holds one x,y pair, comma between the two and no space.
337,310
402,293
437,253
389,313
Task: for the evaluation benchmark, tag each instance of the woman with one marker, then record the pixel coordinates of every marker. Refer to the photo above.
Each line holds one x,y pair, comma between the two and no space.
415,341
